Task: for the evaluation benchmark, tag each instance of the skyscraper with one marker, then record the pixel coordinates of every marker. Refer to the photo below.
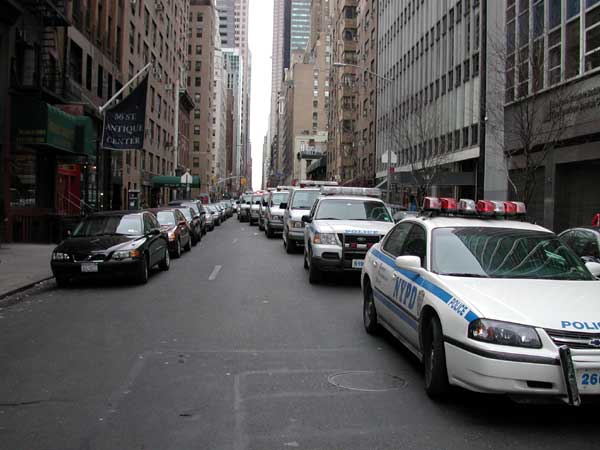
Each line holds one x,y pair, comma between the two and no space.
233,29
299,24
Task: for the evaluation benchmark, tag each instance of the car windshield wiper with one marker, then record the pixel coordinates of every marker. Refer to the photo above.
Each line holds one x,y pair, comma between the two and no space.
465,275
326,218
114,233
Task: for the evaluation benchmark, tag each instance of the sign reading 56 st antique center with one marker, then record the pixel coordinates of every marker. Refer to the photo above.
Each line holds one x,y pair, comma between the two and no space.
124,124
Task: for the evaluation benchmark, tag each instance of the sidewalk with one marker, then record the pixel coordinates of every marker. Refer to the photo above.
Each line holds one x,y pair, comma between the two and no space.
23,265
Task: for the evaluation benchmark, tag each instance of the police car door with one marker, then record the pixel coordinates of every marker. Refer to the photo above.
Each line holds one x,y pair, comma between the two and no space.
403,291
385,280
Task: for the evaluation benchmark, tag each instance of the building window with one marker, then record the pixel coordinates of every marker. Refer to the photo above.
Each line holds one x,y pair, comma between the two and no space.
88,73
554,13
457,140
100,87
592,38
197,130
572,49
466,70
465,140
554,55
474,134
458,76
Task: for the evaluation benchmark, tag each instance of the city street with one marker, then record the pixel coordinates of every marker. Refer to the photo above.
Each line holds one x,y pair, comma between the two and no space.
232,348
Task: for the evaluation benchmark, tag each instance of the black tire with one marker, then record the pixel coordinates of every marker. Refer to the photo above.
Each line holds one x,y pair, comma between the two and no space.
204,230
369,312
290,246
270,233
62,282
165,264
305,261
177,252
315,276
434,360
188,246
143,272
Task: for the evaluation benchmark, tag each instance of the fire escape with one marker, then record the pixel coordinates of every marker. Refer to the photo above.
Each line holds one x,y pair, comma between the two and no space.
44,47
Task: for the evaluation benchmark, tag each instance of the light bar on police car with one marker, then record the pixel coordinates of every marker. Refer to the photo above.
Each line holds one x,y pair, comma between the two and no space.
448,204
316,183
432,204
351,191
466,206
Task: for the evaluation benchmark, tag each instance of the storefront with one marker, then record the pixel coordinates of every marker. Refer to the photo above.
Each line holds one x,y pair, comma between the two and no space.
51,163
162,184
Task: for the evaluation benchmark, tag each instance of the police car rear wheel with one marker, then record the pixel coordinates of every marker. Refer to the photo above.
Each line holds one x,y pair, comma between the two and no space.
434,359
369,312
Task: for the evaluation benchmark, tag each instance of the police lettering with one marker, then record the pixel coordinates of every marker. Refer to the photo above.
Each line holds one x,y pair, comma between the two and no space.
581,325
405,293
458,307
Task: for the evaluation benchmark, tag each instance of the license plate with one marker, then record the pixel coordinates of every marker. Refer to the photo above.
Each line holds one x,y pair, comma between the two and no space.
358,263
588,381
89,267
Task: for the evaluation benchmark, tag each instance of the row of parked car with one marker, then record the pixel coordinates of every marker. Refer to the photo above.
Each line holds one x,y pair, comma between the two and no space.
131,243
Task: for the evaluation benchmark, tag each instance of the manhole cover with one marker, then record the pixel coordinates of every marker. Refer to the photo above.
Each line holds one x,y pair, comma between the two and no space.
367,381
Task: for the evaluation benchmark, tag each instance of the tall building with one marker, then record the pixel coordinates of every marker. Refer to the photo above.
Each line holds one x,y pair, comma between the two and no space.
219,123
233,26
364,146
299,24
203,41
428,106
342,154
559,85
235,76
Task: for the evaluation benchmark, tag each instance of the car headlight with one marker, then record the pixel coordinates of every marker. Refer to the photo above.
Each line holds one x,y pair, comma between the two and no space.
325,239
172,236
59,256
504,333
124,254
296,224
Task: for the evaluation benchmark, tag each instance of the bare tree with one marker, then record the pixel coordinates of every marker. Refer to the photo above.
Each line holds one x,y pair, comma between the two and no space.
416,141
532,123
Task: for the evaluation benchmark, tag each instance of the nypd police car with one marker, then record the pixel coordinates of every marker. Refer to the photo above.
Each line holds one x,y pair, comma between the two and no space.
488,302
273,220
341,227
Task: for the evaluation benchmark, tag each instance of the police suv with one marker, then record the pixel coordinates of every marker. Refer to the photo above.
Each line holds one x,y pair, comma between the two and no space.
488,302
244,213
273,220
255,207
343,224
300,201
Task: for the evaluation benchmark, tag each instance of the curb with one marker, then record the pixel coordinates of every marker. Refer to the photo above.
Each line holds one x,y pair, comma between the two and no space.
4,295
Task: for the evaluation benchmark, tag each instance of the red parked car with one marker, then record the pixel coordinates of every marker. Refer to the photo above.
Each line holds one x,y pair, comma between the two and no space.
177,229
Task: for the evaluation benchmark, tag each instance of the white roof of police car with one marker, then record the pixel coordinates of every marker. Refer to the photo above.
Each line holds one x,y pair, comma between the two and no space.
452,222
350,197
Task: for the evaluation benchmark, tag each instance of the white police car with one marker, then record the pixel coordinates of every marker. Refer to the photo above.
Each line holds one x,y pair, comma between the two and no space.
344,223
489,304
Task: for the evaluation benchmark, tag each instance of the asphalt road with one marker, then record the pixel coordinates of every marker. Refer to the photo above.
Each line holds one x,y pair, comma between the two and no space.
233,349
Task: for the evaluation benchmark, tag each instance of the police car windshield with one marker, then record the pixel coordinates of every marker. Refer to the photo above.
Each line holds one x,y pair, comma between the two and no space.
246,198
279,198
304,199
348,209
504,253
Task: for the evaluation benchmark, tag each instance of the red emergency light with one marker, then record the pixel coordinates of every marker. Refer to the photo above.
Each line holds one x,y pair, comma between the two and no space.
431,204
596,220
448,204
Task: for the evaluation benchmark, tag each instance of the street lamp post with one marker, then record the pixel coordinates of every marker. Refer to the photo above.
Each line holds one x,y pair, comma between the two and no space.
389,147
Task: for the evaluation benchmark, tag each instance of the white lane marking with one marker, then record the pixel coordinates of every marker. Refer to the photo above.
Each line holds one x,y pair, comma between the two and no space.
214,273
234,241
255,234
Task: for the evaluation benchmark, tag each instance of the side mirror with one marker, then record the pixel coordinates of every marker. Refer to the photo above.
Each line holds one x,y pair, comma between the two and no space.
283,206
306,219
202,213
154,231
594,268
408,262
197,216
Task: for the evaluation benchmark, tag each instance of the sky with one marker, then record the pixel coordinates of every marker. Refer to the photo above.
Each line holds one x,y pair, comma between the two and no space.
260,41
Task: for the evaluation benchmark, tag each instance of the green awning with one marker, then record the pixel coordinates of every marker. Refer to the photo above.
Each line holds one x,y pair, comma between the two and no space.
174,182
38,123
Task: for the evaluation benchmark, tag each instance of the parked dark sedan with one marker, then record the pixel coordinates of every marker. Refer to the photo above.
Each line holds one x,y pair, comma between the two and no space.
116,243
176,227
198,214
194,222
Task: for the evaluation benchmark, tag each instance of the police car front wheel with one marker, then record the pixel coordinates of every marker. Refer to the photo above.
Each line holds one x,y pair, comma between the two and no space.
434,359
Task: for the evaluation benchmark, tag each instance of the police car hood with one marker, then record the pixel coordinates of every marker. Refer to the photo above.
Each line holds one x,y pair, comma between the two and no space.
296,214
554,304
353,227
276,211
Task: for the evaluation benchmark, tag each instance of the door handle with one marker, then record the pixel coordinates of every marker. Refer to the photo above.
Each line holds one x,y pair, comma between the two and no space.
375,264
394,275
